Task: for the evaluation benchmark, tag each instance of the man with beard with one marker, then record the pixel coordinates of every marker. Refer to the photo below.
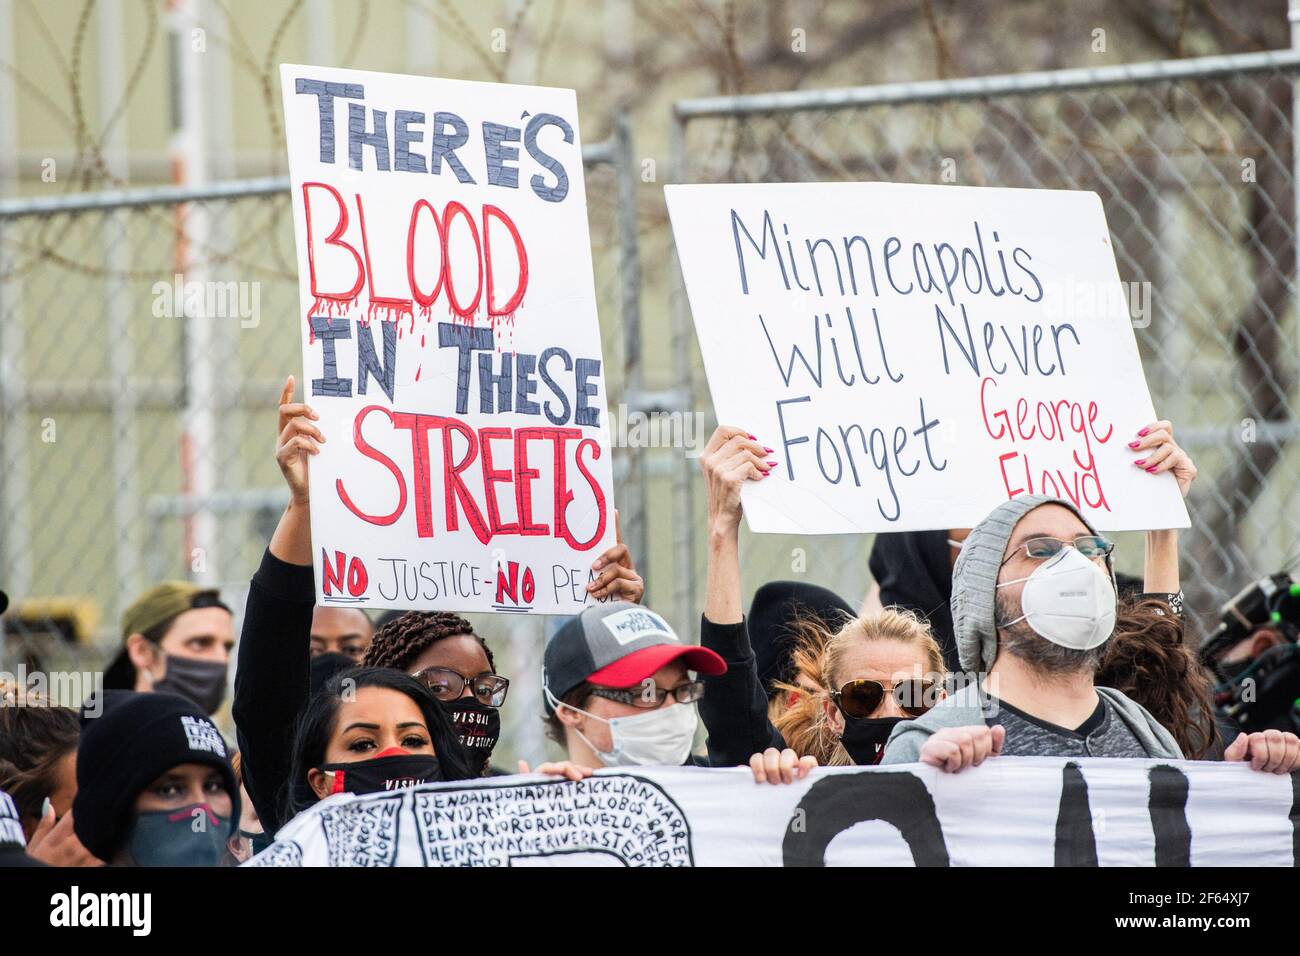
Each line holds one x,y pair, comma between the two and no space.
1033,604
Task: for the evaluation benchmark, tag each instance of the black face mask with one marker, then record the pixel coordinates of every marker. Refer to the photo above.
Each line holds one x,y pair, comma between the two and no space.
477,726
257,841
394,769
203,682
864,738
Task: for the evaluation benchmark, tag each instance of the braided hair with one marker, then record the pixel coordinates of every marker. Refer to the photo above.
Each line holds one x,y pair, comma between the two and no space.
399,642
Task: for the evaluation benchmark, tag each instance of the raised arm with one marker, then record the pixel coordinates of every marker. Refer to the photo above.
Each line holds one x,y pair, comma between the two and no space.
272,672
734,706
1156,452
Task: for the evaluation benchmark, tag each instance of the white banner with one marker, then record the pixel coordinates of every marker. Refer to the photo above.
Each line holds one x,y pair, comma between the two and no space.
1020,811
915,355
450,342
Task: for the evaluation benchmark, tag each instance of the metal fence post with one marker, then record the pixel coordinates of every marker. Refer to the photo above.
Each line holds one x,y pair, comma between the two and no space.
633,511
685,606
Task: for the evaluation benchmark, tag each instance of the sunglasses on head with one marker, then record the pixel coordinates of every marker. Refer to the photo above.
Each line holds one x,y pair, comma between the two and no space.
448,685
861,698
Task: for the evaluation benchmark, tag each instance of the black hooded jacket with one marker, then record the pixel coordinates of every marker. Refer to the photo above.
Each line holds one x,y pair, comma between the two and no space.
914,571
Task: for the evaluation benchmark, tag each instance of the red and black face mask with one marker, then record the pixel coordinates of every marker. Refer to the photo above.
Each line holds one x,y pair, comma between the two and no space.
393,769
477,726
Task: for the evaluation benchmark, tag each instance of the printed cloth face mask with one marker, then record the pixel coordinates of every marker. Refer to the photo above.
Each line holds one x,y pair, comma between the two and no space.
1068,600
660,738
477,726
176,838
393,769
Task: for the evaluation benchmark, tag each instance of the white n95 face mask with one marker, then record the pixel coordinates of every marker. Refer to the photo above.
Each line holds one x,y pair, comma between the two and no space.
660,738
1068,600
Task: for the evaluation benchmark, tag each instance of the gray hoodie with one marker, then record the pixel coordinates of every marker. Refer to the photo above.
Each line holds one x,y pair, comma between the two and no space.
964,709
974,586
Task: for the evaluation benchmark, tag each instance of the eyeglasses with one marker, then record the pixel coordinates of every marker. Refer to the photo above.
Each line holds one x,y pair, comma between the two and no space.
447,684
860,698
651,696
1088,545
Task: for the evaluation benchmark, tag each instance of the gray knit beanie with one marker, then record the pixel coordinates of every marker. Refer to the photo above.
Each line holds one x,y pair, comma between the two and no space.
975,578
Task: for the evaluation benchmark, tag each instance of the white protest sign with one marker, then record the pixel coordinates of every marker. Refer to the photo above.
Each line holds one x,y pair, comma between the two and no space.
450,342
1009,811
915,355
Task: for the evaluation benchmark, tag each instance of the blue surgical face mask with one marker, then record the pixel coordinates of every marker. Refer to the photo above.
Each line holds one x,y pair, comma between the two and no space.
190,836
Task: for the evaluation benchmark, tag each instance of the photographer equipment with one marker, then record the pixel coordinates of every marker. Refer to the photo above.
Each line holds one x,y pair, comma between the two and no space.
1262,692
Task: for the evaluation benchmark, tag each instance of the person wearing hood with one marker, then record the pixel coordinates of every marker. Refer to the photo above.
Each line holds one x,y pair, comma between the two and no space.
913,570
176,639
1033,605
155,786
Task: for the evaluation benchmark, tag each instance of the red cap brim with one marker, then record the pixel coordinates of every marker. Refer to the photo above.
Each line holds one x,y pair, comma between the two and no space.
637,666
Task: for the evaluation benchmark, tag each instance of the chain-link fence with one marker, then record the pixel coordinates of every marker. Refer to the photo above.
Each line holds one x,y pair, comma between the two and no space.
1194,163
138,429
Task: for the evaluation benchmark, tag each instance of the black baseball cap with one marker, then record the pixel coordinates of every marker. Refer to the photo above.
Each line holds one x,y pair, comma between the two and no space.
617,645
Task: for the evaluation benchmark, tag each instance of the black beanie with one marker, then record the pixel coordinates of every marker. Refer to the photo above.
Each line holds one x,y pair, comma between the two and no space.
123,751
776,607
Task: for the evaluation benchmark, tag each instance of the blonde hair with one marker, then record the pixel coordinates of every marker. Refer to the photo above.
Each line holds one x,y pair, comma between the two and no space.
818,657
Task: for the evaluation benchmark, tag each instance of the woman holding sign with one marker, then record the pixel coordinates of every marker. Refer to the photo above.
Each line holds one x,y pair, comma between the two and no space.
440,650
882,670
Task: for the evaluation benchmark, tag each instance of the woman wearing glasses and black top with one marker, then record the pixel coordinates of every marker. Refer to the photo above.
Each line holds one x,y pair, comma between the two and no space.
440,650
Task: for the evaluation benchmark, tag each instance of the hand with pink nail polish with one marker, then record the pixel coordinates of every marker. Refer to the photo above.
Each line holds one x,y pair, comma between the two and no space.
731,458
1164,454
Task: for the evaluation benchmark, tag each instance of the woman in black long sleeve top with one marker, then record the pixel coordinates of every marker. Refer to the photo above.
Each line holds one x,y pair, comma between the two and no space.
759,653
271,680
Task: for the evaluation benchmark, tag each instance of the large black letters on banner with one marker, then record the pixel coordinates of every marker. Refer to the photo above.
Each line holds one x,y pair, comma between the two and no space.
1295,817
1076,844
834,804
1168,809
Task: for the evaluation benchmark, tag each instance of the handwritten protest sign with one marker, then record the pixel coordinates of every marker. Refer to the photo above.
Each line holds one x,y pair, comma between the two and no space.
1077,812
450,342
916,354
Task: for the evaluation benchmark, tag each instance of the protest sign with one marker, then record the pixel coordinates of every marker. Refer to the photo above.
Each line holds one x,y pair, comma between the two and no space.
1018,811
450,342
917,354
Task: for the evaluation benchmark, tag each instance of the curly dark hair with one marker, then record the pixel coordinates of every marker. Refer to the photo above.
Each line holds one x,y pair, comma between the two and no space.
399,642
1147,661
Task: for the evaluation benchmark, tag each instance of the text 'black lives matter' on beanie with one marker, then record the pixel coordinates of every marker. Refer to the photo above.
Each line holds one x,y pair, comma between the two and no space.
131,745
